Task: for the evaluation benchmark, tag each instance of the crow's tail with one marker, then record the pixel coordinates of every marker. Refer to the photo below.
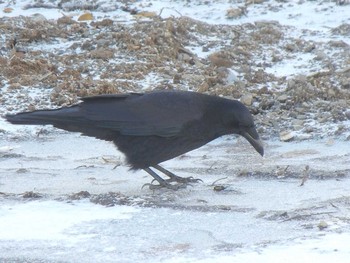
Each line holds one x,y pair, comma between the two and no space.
43,117
67,118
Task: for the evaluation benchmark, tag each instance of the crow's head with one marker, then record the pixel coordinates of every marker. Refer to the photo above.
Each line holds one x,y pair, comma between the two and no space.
238,120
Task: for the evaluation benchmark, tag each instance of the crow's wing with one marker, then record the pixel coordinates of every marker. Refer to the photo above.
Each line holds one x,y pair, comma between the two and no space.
159,113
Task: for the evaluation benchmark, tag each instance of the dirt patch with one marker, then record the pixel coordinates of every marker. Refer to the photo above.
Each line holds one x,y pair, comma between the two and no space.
75,59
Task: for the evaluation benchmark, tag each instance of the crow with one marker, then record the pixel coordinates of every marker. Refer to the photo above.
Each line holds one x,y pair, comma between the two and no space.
150,128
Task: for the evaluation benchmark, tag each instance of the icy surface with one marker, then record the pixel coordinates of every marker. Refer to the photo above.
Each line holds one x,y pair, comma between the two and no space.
262,213
252,218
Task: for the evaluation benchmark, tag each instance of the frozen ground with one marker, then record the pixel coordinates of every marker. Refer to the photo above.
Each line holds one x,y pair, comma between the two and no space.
68,198
260,214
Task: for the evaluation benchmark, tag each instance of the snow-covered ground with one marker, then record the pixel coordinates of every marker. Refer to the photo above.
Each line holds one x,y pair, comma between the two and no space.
261,214
248,208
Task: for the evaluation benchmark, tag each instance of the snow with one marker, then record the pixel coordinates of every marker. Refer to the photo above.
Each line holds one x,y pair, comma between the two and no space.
129,234
39,220
244,223
330,248
297,65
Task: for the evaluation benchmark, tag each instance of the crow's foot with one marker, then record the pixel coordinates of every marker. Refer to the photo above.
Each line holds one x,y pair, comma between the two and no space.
180,182
175,178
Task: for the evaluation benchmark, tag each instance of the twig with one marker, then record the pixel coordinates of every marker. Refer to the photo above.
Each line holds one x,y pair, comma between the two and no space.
218,180
45,76
305,176
161,11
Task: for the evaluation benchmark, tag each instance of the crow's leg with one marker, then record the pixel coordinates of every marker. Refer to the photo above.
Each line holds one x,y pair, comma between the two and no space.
162,183
175,178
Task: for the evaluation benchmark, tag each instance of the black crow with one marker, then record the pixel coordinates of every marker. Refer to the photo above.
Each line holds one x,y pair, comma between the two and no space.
153,127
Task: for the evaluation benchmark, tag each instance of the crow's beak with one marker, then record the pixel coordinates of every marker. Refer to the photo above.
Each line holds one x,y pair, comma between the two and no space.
253,138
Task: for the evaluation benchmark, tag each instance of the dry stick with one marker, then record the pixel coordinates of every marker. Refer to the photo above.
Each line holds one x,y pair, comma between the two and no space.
305,176
45,76
161,11
218,180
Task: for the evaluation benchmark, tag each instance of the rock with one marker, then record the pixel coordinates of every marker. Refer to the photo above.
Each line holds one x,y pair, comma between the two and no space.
301,117
291,47
263,90
66,20
298,122
7,10
322,225
331,93
320,56
80,195
177,78
86,17
297,127
305,105
338,44
266,103
286,136
310,47
276,58
343,29
345,83
184,57
247,99
31,195
308,129
234,13
101,53
39,18
347,114
282,98
220,59
291,84
322,119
